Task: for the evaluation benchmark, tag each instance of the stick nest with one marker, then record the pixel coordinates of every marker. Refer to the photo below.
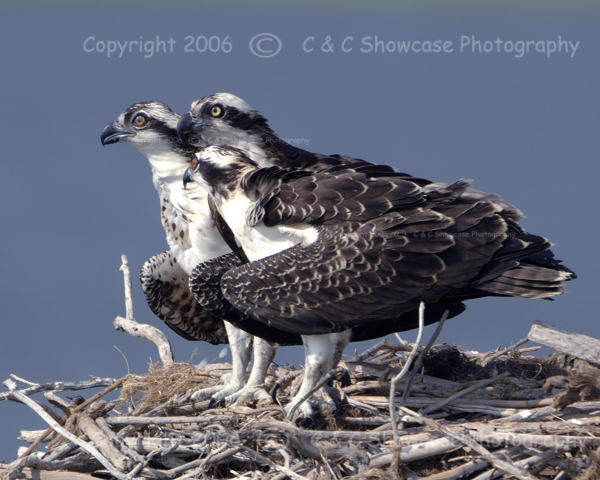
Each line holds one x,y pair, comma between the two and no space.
541,416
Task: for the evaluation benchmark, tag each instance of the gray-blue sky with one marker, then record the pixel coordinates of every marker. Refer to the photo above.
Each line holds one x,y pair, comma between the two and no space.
525,127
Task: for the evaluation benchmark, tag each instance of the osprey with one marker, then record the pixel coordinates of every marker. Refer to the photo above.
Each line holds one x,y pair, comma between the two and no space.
347,249
224,119
191,234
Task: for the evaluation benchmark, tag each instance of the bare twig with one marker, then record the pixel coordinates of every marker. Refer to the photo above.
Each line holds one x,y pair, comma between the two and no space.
423,354
62,386
140,330
475,386
407,365
504,352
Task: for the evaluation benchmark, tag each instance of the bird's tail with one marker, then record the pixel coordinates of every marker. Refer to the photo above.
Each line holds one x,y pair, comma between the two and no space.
530,280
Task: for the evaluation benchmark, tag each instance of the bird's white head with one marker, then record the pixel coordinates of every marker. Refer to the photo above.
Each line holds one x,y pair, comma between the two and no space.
224,119
151,127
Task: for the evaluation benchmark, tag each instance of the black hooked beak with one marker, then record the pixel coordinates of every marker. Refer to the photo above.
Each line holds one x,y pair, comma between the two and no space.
188,130
113,133
187,177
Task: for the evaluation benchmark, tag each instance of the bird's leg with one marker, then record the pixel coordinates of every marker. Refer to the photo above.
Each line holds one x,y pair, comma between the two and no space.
264,352
240,344
322,353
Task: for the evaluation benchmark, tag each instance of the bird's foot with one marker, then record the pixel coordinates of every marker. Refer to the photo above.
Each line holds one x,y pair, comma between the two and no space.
247,395
206,393
320,402
216,393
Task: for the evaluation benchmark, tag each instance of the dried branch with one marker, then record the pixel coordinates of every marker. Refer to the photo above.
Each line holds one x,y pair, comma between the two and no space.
62,386
34,468
561,340
503,352
475,386
419,451
423,354
103,443
407,365
140,330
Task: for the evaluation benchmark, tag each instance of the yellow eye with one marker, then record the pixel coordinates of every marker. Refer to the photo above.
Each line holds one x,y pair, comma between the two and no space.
140,120
194,163
217,111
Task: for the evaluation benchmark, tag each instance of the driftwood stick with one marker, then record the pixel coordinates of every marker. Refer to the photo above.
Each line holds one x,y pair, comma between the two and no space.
422,356
22,380
148,332
466,440
407,365
12,386
30,436
60,452
115,384
529,349
58,402
122,421
178,471
145,446
459,472
469,467
260,458
503,352
575,344
62,386
475,402
34,468
475,386
127,283
525,463
103,443
382,345
554,442
412,453
114,438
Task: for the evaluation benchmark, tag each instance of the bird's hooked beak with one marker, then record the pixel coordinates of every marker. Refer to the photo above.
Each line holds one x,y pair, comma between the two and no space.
188,129
113,133
187,177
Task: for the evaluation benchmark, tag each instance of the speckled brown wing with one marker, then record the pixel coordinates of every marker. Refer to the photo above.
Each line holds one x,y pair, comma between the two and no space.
447,248
328,197
165,286
354,274
205,285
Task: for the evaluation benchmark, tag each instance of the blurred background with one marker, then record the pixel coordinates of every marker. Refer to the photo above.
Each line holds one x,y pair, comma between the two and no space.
503,93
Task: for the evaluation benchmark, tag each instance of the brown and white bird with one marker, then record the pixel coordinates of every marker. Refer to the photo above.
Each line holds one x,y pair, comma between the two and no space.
191,234
348,249
225,119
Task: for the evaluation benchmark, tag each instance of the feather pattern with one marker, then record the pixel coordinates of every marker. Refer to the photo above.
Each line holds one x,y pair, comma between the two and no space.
165,286
383,244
